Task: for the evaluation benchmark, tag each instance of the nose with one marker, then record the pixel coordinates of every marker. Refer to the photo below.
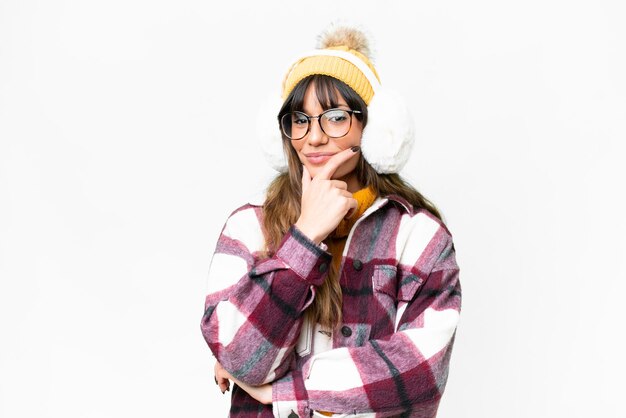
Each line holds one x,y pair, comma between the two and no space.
316,136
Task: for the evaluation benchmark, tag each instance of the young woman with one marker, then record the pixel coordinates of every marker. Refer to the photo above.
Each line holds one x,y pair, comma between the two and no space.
340,294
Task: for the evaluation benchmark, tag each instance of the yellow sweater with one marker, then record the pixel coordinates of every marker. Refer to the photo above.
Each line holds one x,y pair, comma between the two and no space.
336,241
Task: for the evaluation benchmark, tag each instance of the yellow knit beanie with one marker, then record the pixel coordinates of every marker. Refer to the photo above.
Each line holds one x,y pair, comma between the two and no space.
343,53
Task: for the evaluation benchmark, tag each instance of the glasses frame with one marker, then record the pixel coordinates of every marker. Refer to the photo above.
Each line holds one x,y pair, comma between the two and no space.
318,117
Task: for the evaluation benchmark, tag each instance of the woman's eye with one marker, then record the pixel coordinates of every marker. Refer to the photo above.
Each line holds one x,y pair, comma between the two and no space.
299,120
336,117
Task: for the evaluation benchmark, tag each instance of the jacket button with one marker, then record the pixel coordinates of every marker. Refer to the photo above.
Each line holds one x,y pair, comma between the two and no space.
346,331
357,264
323,267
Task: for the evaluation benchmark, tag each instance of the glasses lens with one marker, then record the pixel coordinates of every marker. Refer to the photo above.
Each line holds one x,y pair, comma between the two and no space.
336,122
295,125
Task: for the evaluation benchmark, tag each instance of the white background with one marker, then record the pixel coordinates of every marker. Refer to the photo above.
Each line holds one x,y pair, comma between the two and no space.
127,137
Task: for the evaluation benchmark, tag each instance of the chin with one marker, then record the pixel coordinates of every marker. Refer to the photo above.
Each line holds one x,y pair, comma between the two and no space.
313,170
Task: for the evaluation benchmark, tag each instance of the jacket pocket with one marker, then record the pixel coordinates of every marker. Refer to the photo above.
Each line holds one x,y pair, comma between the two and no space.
385,290
384,280
304,345
408,285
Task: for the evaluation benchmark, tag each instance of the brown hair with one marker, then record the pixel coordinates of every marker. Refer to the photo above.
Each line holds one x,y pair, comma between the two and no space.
282,203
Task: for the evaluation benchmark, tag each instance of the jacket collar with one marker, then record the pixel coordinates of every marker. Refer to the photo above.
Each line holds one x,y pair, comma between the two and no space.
383,201
403,203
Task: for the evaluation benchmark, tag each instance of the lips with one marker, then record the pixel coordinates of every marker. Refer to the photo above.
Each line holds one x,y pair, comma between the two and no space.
318,158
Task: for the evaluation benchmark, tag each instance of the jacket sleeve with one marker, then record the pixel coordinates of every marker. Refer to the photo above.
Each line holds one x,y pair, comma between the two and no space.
253,311
403,373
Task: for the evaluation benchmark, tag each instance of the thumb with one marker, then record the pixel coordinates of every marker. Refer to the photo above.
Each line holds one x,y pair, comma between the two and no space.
306,178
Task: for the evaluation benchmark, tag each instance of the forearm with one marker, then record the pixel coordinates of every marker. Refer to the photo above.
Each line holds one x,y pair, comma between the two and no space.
252,326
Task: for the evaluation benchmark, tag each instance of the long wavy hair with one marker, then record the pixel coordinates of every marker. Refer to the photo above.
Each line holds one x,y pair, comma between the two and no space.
282,203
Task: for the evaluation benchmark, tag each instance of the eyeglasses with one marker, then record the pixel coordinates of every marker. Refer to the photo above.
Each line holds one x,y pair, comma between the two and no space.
335,123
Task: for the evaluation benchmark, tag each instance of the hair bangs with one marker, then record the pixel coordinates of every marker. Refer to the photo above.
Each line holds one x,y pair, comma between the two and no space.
328,91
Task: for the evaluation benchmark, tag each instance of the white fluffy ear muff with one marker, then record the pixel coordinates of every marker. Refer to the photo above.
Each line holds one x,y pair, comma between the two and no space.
269,135
390,133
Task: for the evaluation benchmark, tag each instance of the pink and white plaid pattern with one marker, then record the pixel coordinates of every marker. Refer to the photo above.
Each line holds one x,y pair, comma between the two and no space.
401,305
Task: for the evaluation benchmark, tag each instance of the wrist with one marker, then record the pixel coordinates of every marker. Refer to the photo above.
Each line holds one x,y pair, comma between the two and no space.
309,232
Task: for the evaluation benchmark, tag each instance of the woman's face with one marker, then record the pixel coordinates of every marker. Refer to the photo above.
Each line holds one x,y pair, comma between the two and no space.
316,148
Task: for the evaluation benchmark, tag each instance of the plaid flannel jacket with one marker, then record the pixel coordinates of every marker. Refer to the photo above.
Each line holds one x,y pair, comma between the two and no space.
401,305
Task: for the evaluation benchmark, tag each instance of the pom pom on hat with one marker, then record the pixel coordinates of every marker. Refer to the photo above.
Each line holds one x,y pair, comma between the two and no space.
345,36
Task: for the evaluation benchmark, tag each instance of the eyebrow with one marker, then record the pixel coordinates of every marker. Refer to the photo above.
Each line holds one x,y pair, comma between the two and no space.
337,106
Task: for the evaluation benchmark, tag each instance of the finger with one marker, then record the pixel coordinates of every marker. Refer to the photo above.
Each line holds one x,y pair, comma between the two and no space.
340,185
353,205
221,377
335,161
306,179
224,384
346,194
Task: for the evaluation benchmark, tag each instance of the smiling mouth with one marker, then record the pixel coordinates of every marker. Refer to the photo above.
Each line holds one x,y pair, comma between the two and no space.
319,154
317,158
